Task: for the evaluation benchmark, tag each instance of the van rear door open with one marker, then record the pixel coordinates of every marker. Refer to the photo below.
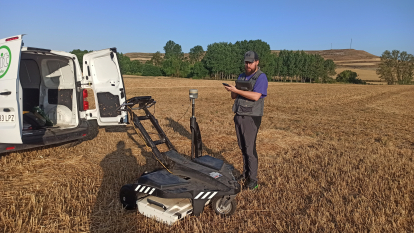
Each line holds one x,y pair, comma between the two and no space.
11,118
101,70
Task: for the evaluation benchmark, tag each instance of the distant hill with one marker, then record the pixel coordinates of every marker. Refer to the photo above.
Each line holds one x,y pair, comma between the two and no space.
360,61
142,57
340,54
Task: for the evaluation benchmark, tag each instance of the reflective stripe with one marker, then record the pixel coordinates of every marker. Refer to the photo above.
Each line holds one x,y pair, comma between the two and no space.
212,195
147,189
137,187
142,189
152,191
206,195
201,193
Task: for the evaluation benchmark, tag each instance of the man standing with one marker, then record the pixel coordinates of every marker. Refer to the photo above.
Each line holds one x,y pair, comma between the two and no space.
248,107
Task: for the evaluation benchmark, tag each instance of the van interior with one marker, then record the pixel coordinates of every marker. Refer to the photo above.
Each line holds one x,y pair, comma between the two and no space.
48,82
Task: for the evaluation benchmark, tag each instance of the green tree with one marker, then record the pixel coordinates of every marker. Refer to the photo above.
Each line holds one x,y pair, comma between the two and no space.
196,54
329,71
124,63
349,76
171,66
156,59
291,65
304,69
199,71
396,67
175,67
151,70
299,60
222,60
329,66
127,66
173,50
175,64
136,67
283,56
263,51
316,68
79,54
277,64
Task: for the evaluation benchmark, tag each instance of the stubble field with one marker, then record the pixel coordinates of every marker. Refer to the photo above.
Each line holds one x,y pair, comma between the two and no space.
332,158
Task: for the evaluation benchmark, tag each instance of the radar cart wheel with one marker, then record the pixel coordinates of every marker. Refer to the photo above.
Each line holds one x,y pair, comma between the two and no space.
128,197
223,206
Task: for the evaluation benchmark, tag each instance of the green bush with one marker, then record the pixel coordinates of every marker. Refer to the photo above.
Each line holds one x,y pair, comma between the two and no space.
327,79
151,70
348,76
199,71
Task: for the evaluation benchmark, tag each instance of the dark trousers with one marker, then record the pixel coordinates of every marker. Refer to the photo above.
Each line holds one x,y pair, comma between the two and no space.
246,130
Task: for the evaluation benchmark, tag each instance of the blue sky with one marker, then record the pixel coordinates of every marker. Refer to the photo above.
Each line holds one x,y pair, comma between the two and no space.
145,26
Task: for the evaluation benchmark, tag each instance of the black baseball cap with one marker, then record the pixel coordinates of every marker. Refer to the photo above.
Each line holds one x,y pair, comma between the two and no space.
251,56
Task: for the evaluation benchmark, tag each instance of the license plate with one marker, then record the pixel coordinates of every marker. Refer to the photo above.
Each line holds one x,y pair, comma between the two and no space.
4,117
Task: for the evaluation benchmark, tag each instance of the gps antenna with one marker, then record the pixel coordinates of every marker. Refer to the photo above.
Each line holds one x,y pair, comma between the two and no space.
196,143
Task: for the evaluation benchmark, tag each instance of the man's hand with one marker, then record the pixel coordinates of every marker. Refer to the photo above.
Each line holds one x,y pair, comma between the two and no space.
246,94
230,88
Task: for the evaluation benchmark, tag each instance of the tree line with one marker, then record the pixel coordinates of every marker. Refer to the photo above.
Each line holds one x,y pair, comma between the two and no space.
226,61
396,67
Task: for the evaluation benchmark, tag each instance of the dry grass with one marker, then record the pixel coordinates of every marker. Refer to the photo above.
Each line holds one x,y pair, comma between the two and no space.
338,55
332,158
377,59
359,64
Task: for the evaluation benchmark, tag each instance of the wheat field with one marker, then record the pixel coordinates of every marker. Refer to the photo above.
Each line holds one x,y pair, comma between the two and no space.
332,158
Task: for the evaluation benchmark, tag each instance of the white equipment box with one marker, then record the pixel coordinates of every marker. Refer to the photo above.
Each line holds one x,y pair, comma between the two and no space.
165,210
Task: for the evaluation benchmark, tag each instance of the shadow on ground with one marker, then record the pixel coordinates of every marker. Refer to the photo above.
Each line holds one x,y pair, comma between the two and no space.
119,167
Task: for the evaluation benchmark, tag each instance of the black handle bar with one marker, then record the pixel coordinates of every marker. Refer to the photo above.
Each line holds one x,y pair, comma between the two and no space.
142,101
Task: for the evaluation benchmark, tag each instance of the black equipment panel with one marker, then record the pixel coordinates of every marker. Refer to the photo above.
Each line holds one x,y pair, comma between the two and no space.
244,85
108,104
209,161
60,97
162,179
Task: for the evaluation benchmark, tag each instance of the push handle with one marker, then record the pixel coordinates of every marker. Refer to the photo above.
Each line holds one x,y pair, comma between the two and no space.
5,93
157,204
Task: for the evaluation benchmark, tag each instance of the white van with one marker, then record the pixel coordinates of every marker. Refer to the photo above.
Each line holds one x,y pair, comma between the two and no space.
53,82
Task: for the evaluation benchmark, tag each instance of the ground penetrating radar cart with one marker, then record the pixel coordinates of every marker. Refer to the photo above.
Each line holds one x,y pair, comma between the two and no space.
185,185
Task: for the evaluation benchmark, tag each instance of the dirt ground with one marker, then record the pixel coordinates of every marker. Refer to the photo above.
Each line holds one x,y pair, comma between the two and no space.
332,158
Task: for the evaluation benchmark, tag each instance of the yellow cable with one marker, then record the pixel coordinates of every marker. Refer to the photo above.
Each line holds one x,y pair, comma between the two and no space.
139,134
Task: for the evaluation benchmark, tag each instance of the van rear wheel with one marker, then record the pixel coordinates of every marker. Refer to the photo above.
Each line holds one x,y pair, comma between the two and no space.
93,130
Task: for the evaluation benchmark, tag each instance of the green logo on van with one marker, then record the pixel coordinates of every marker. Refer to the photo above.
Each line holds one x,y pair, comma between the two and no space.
5,60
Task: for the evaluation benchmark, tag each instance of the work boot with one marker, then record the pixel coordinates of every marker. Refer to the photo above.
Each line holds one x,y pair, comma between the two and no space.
251,184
